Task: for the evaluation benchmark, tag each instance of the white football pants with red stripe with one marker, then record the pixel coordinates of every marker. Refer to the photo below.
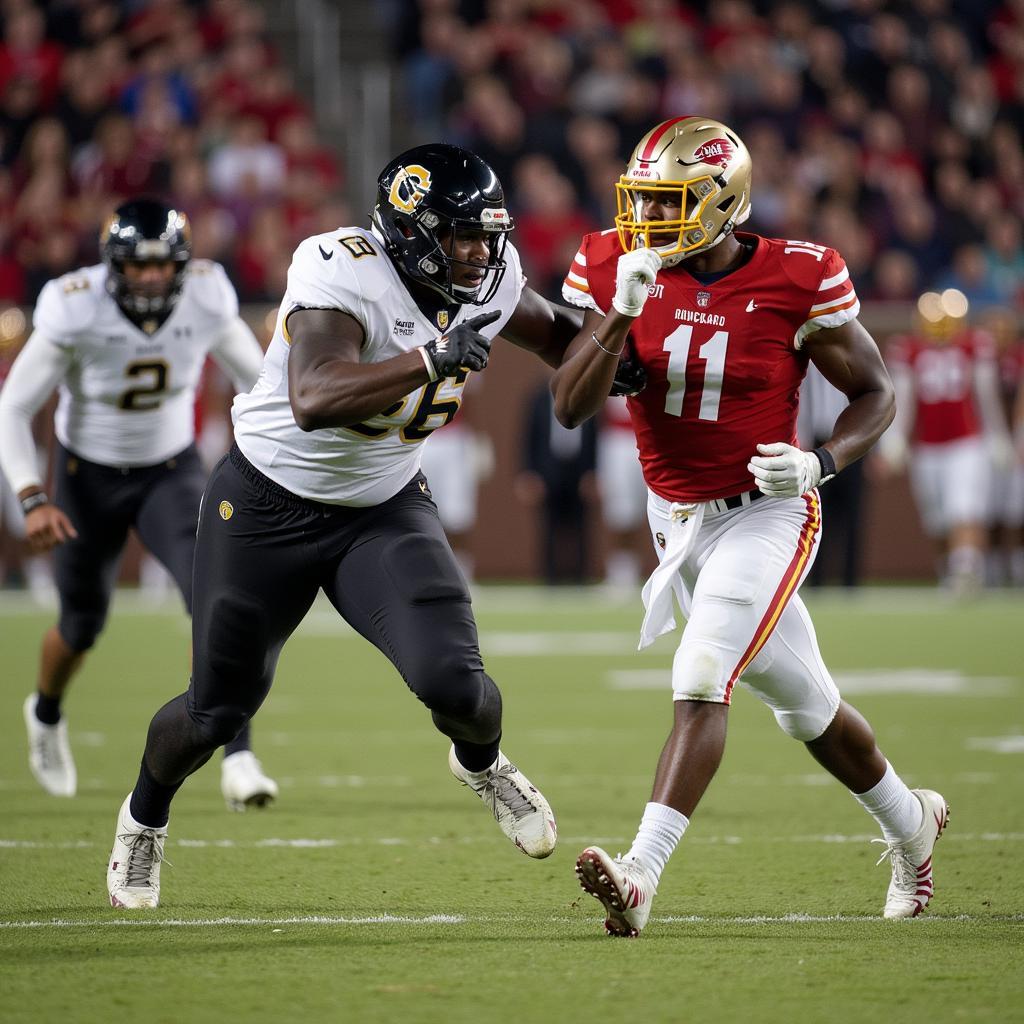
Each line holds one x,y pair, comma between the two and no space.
737,587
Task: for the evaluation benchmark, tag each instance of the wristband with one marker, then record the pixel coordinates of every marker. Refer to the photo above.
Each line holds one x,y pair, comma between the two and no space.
429,364
593,334
828,464
34,501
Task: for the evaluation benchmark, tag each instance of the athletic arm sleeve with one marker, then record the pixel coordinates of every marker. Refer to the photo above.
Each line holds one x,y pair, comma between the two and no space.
36,372
238,354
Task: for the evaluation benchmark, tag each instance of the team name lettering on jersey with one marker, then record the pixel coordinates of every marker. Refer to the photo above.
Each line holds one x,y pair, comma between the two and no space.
693,316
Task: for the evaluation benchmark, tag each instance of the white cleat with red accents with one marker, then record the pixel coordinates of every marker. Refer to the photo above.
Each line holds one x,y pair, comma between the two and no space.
912,885
624,886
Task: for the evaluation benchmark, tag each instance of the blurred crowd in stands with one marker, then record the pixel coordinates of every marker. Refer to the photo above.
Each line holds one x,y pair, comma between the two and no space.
100,101
889,130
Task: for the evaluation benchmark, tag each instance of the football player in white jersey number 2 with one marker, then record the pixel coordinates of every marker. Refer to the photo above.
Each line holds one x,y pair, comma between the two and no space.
126,342
376,334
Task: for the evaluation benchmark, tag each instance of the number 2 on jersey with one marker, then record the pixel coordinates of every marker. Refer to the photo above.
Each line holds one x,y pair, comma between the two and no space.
677,345
141,399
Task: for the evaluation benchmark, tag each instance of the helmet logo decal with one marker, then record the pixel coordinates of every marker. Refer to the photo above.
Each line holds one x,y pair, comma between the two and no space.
495,220
717,151
411,184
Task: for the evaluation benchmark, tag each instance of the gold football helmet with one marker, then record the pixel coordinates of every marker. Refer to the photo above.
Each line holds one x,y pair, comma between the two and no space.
702,162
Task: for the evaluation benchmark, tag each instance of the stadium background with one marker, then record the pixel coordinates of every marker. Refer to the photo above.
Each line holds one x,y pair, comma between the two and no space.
891,131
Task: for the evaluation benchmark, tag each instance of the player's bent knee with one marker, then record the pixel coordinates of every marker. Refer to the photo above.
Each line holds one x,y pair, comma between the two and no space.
698,673
79,630
451,688
804,724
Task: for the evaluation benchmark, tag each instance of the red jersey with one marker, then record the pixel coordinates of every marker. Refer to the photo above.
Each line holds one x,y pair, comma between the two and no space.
943,379
723,360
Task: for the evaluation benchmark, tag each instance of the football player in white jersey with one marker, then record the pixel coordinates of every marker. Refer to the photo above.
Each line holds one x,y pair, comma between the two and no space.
375,337
125,341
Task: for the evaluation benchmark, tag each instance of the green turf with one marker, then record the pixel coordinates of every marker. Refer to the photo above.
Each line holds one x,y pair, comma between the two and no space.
768,911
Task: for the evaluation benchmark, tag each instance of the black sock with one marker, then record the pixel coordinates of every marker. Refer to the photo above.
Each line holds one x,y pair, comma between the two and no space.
243,741
476,757
47,709
151,800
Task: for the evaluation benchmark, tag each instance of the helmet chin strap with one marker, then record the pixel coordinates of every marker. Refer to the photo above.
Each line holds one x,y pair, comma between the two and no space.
678,257
469,293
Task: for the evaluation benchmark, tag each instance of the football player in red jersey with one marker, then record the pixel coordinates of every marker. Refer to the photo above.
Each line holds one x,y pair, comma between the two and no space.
951,418
724,324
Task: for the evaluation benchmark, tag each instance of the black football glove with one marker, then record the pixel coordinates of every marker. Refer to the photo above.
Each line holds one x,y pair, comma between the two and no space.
630,379
461,346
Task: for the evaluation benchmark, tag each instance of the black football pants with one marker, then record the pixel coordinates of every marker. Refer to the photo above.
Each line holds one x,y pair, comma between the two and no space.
262,555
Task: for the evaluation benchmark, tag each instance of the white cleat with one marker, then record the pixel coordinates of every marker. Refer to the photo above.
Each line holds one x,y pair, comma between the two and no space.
49,753
133,871
243,783
519,807
912,886
624,887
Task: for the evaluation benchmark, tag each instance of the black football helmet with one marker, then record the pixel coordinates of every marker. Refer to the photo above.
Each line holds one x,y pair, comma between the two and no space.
424,197
145,231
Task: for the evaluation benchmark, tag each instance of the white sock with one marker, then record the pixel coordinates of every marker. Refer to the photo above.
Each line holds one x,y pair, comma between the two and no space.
661,828
893,806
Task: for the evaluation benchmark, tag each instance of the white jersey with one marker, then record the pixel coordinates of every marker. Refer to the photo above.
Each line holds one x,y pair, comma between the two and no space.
127,397
369,462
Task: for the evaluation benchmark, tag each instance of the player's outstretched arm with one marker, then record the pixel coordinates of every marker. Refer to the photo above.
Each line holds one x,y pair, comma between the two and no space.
329,387
544,328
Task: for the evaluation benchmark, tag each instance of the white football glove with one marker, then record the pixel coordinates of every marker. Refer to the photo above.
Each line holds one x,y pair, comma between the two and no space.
782,471
634,274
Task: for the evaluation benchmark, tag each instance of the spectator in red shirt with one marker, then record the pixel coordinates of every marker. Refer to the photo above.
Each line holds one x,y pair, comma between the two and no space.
26,53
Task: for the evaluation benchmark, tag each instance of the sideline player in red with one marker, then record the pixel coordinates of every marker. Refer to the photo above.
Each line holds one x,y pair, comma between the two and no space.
952,429
724,324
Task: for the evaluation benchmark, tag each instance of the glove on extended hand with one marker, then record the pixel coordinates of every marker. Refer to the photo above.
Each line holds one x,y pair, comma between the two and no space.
461,346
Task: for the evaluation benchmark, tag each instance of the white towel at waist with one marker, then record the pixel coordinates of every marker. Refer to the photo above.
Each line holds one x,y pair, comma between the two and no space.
681,529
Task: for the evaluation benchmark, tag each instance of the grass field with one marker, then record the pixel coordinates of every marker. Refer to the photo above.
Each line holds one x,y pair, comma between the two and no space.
378,890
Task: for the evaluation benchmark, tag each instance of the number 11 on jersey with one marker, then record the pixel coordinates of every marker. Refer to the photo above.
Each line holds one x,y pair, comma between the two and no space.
677,345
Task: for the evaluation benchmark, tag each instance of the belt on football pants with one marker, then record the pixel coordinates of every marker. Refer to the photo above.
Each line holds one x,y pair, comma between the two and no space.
734,502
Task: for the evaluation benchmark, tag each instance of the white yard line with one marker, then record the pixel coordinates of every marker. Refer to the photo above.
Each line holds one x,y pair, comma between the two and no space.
214,922
431,919
274,843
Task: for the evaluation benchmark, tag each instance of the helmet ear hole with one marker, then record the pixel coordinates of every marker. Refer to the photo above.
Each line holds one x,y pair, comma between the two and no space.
726,205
